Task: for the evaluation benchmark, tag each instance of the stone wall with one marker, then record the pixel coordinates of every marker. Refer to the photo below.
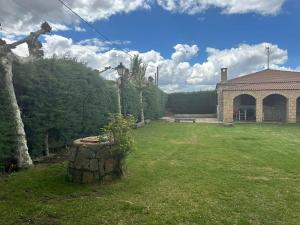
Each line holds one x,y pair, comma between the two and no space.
91,161
227,99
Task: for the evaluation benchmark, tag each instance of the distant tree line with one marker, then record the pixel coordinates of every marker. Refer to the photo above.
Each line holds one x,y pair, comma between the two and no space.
202,102
61,99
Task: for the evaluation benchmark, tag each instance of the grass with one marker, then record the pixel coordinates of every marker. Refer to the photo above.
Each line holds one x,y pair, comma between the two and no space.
180,174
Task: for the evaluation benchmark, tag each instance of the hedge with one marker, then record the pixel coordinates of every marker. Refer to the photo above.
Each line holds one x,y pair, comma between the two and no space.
202,102
67,100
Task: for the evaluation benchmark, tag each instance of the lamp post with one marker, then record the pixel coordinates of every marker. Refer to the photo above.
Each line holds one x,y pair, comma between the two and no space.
122,72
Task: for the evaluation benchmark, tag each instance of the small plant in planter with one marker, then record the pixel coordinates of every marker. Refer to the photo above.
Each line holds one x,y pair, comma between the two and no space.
118,131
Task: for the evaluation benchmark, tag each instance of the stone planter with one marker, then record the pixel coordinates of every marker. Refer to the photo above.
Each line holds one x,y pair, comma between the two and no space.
92,161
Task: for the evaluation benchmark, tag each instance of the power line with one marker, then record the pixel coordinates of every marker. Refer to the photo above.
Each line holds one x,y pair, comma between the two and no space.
91,26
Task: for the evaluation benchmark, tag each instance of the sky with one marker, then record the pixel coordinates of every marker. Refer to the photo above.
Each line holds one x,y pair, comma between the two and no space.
189,40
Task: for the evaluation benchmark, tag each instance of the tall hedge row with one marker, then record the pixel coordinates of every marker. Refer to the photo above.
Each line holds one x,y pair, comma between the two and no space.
65,99
203,102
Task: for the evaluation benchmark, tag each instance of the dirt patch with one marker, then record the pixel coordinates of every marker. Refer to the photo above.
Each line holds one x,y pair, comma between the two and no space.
60,156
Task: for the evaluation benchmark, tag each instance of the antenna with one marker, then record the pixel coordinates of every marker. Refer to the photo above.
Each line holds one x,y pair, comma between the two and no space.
268,51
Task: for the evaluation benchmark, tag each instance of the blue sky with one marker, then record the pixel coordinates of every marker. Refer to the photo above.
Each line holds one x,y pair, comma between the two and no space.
236,34
160,30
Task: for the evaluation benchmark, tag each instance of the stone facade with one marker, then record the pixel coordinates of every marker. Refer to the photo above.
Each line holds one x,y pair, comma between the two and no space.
276,94
91,161
226,100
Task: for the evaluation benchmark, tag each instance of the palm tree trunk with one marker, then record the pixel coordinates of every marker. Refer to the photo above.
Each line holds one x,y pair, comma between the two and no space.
141,107
23,157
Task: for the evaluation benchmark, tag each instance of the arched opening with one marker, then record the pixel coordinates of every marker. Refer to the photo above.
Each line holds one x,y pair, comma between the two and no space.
244,108
275,108
298,110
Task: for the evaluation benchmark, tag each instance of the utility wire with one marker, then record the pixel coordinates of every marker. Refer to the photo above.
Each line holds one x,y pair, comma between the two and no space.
91,26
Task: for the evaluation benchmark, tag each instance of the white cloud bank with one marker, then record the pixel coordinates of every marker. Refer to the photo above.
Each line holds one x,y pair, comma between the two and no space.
21,16
176,72
263,7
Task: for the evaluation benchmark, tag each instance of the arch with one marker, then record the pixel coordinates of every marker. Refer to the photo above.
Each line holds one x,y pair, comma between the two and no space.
275,93
298,110
275,108
244,108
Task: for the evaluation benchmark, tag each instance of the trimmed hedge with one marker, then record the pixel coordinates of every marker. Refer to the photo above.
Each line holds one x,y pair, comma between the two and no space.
67,100
202,102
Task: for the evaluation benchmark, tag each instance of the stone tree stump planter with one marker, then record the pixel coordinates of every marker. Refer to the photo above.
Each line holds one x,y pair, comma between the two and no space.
91,161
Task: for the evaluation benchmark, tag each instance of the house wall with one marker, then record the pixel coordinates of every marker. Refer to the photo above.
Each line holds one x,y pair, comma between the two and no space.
220,108
227,99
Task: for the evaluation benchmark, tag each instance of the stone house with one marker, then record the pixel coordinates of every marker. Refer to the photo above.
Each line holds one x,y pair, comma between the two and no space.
268,95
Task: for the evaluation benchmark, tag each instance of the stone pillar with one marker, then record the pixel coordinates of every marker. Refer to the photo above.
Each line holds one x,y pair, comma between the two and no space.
227,109
292,110
259,110
220,106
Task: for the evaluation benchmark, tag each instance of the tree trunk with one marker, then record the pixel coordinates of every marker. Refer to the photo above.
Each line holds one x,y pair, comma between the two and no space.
141,107
47,153
23,157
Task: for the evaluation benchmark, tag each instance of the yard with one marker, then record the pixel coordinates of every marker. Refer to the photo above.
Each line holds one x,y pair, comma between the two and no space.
180,174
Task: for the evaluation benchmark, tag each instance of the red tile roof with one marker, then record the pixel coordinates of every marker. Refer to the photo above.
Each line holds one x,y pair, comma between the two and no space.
264,80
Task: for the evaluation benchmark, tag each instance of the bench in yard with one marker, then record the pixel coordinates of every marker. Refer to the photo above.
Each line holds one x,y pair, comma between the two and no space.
184,117
193,117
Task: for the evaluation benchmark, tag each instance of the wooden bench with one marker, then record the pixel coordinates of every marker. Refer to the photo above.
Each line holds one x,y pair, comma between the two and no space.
185,117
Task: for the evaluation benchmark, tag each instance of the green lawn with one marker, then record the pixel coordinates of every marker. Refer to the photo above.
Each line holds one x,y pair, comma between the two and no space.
180,174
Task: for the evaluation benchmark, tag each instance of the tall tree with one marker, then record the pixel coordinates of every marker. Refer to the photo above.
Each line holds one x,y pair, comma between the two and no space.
138,73
6,63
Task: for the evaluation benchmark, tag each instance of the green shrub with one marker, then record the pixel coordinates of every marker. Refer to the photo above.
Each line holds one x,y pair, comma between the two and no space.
118,130
202,102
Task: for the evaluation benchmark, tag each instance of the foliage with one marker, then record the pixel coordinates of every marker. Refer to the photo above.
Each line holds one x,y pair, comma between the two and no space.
7,131
118,130
67,100
154,102
138,73
62,98
202,102
129,100
181,174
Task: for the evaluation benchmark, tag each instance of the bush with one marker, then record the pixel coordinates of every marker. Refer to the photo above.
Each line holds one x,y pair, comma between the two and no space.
63,99
118,130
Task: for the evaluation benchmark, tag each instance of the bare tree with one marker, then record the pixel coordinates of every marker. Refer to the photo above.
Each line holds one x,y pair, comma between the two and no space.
7,57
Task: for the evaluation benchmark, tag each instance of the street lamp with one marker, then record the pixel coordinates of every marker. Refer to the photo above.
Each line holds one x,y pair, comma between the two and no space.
122,72
121,69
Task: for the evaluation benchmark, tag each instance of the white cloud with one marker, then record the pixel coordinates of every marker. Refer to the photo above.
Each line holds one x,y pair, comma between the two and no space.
241,60
175,75
19,17
79,29
263,7
22,16
184,52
